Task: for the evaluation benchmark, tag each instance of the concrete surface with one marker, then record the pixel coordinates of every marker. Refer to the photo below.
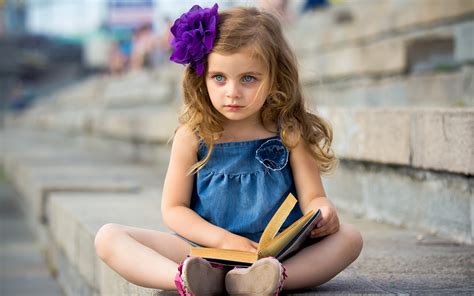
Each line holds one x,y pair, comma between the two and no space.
394,260
440,139
23,269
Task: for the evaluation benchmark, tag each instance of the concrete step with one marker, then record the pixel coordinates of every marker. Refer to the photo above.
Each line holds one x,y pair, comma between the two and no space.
142,88
418,52
436,202
74,222
358,21
439,139
394,260
133,88
76,217
448,89
23,270
145,125
39,170
408,167
415,137
385,39
409,149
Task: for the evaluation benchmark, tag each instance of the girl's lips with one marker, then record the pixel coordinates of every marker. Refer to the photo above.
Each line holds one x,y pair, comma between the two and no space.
233,107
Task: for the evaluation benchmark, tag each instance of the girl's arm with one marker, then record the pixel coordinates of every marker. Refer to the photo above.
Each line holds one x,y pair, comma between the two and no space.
176,199
310,190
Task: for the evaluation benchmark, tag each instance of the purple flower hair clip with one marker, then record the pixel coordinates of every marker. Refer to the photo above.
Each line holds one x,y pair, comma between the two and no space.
194,34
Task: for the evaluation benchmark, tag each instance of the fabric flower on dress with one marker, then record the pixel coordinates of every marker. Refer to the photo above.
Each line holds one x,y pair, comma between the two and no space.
194,34
272,154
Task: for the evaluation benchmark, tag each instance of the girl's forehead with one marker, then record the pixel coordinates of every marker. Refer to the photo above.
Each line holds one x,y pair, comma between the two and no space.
243,60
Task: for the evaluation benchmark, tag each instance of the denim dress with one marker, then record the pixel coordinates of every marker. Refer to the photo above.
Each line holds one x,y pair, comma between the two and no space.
243,184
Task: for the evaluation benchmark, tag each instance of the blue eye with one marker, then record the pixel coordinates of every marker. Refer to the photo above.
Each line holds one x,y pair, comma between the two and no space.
219,78
248,78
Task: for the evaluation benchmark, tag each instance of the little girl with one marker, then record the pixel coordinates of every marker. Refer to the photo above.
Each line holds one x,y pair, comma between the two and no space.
245,141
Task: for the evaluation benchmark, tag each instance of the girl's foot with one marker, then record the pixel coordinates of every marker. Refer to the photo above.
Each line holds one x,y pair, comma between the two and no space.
197,277
264,277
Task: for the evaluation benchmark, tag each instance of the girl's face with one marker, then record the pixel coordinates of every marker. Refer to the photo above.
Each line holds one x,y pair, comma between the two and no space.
237,85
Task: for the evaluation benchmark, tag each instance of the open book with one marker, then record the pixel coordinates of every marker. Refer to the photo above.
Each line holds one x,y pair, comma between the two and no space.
270,244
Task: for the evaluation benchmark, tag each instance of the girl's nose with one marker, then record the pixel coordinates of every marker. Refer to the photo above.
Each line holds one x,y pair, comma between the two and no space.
232,90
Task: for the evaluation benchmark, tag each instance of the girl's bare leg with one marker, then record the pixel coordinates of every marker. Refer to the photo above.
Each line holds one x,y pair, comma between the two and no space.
318,263
144,257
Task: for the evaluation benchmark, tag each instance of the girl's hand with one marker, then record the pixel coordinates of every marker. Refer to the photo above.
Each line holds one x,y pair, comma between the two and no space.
237,242
328,222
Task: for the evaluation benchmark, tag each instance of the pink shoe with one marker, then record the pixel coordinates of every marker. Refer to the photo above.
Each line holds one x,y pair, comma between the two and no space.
197,277
264,278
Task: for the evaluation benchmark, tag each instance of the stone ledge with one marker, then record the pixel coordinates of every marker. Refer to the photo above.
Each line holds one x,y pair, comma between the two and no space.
387,56
397,248
157,87
61,166
403,136
429,90
150,126
438,203
75,219
438,139
384,17
31,146
39,182
154,125
140,88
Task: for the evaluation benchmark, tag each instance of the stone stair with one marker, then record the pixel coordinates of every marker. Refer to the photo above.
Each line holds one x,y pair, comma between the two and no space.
395,79
23,268
394,260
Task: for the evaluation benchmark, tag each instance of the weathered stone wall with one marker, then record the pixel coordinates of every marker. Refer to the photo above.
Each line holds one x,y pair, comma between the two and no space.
396,81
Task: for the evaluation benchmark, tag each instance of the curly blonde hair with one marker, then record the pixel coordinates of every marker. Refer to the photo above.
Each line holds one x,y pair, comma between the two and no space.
285,106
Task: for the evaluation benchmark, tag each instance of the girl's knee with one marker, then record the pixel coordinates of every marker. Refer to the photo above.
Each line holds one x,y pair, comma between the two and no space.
353,239
105,238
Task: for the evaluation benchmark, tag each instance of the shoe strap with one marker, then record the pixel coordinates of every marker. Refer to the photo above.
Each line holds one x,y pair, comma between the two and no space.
179,282
283,277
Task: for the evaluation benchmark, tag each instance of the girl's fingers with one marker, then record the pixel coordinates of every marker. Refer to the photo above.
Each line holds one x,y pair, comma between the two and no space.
328,223
323,232
326,229
318,230
323,220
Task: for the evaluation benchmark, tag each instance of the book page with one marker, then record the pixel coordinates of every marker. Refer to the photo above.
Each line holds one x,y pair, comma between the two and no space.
232,255
279,242
299,239
277,221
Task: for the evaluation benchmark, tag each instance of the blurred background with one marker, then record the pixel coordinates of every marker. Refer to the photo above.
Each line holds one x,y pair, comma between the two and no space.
89,101
46,44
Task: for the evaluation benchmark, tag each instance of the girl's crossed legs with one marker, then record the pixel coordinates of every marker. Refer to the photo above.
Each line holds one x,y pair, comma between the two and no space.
321,261
150,258
147,258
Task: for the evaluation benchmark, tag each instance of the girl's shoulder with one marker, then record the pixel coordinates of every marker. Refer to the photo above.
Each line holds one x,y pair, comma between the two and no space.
184,135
